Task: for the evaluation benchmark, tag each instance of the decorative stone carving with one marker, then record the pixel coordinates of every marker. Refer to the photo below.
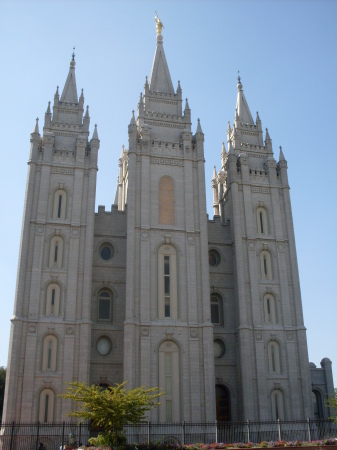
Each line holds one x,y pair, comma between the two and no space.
193,333
70,330
145,331
258,335
32,328
289,334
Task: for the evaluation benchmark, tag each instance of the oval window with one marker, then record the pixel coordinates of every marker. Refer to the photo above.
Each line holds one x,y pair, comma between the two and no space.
106,252
213,258
103,345
219,348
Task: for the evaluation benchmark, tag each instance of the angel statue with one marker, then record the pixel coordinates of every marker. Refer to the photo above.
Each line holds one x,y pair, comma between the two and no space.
159,24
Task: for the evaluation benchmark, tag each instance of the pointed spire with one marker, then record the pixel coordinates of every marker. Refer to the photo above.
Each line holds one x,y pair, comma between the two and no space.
187,106
36,127
160,78
268,142
214,173
47,117
86,115
199,130
267,135
95,134
179,87
133,120
69,93
281,158
223,148
242,106
257,117
48,109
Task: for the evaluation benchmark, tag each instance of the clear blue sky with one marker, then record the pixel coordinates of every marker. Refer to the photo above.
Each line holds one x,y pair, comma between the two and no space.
286,53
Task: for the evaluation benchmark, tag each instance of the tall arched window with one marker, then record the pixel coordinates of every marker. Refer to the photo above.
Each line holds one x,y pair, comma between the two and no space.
262,220
169,409
266,266
277,404
105,305
56,252
274,357
166,201
222,396
46,406
49,353
53,300
269,309
167,282
60,204
317,404
217,315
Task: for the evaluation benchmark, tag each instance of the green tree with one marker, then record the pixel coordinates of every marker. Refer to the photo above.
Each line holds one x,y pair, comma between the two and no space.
2,388
112,407
332,404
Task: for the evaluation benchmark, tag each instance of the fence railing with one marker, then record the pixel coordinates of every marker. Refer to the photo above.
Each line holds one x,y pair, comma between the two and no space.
27,436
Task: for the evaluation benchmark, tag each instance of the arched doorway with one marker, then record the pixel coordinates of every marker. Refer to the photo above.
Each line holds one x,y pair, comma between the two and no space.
223,410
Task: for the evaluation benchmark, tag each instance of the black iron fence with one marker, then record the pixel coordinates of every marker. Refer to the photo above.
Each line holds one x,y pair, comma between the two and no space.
27,436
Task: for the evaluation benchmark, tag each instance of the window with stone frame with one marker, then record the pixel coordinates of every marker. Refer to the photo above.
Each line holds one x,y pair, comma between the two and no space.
266,265
49,353
262,220
167,282
53,300
277,404
274,357
166,201
56,252
269,309
217,315
104,305
169,409
60,204
46,406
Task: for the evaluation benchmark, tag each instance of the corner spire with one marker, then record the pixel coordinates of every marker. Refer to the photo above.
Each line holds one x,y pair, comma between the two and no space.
281,158
36,127
95,134
199,130
69,93
133,120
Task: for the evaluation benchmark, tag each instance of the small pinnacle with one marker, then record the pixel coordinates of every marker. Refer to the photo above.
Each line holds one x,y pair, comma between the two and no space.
239,78
73,55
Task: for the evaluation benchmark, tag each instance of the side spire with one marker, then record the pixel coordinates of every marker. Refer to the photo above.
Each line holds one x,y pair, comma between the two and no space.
69,93
36,127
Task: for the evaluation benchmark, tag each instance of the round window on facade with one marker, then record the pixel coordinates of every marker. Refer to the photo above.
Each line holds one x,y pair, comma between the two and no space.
106,251
219,348
213,258
104,345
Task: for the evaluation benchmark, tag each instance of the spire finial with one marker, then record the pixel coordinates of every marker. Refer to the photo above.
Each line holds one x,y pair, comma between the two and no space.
159,24
73,55
239,82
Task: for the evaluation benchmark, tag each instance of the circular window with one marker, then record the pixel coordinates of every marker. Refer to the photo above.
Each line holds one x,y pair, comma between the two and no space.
106,252
103,345
213,258
219,348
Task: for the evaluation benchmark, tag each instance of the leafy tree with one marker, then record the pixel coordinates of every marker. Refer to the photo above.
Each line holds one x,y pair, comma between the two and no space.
2,388
112,407
332,404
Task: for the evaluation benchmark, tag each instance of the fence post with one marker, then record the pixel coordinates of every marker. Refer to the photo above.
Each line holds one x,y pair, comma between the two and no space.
248,430
63,435
148,432
12,433
80,433
183,432
216,431
309,431
279,430
37,434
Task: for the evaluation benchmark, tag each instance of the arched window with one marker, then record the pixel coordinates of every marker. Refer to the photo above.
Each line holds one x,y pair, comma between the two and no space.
105,305
49,353
166,201
262,221
317,404
217,316
167,282
53,300
222,396
56,252
269,309
274,357
277,404
266,267
169,409
46,406
60,204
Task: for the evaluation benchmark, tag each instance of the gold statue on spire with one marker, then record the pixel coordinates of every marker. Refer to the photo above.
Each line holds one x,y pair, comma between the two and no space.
159,24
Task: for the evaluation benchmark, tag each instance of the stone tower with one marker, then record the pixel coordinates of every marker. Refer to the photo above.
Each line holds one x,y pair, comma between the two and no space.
270,377
51,326
168,334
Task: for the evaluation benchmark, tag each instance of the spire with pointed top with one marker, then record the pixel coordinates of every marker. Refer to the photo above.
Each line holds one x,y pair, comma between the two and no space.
69,93
214,173
133,120
179,87
268,142
281,158
187,107
47,117
199,130
160,78
95,134
242,106
87,112
36,127
86,120
229,131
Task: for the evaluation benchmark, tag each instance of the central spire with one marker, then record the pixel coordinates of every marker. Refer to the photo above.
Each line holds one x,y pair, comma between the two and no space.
160,78
69,93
